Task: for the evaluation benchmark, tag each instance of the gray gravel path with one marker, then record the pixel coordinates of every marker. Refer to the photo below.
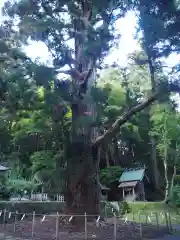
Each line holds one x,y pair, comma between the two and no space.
169,238
3,237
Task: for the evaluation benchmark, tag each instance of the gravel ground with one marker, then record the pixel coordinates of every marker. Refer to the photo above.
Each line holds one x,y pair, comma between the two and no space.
46,230
168,238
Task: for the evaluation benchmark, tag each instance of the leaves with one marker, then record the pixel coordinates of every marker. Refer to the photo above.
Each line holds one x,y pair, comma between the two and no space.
110,175
43,75
166,128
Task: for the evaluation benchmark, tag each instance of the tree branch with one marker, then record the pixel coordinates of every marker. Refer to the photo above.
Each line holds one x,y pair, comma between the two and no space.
81,77
123,119
67,72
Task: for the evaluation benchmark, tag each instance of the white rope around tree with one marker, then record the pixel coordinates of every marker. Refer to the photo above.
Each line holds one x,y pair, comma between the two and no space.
23,216
43,219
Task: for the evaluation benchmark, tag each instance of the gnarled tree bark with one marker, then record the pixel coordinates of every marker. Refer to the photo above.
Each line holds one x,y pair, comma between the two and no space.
150,62
83,189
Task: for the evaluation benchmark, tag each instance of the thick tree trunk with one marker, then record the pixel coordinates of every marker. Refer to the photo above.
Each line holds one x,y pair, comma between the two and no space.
107,159
83,188
149,53
83,167
83,182
83,193
116,152
152,139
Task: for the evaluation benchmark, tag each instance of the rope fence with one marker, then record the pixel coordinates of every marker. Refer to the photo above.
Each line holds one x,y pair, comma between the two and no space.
11,221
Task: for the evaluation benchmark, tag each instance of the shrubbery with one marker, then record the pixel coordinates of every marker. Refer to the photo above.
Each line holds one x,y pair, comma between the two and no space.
20,187
176,195
5,193
110,175
177,180
109,208
124,207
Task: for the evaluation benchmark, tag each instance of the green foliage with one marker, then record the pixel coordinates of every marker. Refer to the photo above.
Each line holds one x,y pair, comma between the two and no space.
5,193
20,186
108,209
166,128
43,75
177,180
116,96
159,22
176,195
44,170
42,160
124,208
110,175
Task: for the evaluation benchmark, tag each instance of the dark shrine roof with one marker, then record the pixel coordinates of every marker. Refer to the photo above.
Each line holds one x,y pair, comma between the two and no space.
128,184
2,168
132,175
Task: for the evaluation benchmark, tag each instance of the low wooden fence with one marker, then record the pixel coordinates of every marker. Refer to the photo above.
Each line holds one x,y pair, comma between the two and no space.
45,197
55,226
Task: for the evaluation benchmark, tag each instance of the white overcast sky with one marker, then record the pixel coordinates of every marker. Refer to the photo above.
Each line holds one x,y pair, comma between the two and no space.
127,44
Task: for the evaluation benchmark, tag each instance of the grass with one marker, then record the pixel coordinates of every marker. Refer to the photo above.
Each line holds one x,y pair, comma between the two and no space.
150,206
152,212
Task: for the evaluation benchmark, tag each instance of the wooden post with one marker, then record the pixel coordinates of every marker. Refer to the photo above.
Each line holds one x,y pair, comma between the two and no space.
133,192
167,224
97,222
115,227
85,226
57,226
33,223
140,230
146,217
4,218
170,223
143,192
105,212
157,220
15,220
133,224
133,216
139,216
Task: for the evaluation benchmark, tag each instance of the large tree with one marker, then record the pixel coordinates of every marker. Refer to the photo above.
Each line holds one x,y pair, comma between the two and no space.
78,34
158,23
